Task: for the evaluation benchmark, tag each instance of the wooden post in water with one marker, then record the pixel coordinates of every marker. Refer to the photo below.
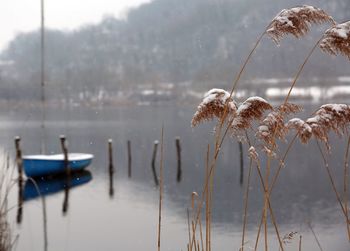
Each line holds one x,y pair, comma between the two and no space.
129,158
154,156
65,153
110,167
240,145
7,161
66,196
111,186
19,163
110,156
68,174
178,155
19,158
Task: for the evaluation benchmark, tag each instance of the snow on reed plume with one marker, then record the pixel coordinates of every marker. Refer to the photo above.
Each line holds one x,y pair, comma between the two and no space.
213,105
273,126
336,40
251,109
296,21
302,128
329,117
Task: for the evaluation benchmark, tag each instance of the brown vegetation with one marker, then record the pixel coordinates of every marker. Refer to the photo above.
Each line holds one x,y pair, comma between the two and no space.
250,116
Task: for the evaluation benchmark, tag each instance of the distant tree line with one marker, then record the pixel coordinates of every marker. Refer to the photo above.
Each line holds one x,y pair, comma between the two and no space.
199,41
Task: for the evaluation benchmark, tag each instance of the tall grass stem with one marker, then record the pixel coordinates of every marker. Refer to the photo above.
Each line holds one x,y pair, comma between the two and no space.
300,70
326,165
160,186
246,198
346,179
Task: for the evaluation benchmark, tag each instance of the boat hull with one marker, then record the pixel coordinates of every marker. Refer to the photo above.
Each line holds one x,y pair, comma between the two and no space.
44,165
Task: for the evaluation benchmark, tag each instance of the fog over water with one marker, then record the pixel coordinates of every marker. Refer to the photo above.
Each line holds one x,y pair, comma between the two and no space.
125,75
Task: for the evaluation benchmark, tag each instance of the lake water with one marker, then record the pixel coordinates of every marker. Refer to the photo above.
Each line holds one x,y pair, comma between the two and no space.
128,220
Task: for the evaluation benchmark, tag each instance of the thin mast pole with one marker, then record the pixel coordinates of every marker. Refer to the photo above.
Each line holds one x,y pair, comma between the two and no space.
42,79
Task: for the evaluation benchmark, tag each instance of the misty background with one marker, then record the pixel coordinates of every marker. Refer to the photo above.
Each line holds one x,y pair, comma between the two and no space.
175,49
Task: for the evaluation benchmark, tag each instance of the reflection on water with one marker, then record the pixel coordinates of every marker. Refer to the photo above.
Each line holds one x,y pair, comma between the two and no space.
44,186
115,212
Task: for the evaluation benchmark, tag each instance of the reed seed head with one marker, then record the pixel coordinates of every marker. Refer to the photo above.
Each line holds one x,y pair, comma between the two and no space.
340,114
329,117
273,126
336,40
303,129
213,105
289,108
287,238
296,21
251,109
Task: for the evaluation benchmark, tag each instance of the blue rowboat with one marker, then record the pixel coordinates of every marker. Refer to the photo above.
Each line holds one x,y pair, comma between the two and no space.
54,184
44,165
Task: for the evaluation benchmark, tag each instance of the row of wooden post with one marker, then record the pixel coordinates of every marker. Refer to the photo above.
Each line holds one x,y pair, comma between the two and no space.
153,162
110,169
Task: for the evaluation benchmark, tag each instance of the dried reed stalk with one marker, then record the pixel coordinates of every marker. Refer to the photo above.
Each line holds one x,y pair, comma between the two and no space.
208,114
267,173
345,185
300,70
281,164
326,165
259,229
194,236
7,240
194,199
314,234
235,82
160,186
208,208
297,21
44,213
304,16
246,198
189,247
207,215
211,186
268,206
197,215
218,144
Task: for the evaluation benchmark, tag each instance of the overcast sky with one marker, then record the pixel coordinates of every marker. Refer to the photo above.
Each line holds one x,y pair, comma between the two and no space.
24,15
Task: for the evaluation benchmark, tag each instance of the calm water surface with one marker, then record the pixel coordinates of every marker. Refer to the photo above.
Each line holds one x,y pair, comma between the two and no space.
127,220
